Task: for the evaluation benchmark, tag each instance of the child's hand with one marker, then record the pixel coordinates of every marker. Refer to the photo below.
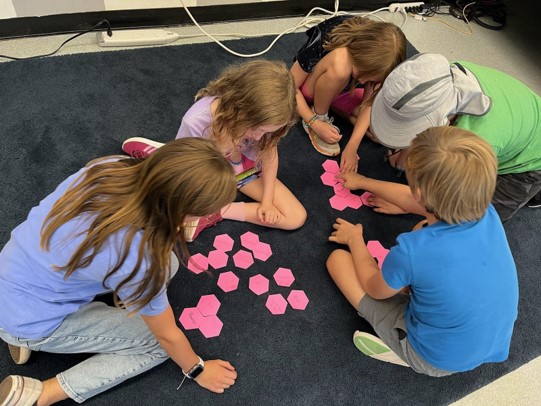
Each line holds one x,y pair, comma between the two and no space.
217,376
383,206
345,232
370,88
267,213
351,180
349,160
326,132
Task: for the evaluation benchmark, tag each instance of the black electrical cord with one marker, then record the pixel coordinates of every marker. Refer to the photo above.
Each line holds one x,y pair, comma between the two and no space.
430,8
479,11
102,22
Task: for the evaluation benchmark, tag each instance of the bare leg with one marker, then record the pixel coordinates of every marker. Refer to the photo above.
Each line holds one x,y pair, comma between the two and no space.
52,393
342,271
292,211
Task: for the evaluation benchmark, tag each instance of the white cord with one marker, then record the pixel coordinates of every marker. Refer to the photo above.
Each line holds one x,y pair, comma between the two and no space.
305,22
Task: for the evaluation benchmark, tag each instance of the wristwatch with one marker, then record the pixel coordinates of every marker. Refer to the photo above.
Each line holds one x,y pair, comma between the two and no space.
196,369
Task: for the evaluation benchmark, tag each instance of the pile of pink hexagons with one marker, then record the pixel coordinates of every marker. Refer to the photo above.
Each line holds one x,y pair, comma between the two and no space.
343,197
276,303
223,243
204,315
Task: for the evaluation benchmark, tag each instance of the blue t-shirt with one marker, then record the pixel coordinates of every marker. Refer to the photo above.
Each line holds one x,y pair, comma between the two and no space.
34,297
464,291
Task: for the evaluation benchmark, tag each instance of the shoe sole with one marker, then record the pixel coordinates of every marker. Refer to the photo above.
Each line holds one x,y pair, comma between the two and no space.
19,355
189,230
314,140
17,390
152,143
373,347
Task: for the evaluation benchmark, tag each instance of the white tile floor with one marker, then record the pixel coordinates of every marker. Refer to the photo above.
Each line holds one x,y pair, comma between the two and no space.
504,50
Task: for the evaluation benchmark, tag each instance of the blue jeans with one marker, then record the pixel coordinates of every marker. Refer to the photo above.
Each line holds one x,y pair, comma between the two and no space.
124,347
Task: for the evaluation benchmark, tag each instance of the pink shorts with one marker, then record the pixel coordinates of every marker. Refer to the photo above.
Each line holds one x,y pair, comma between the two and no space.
345,102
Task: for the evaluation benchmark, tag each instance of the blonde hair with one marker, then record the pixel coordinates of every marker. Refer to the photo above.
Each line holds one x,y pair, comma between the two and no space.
150,197
375,47
252,94
455,172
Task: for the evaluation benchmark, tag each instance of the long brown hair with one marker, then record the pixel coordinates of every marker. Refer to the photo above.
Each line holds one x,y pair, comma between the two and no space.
252,94
375,47
150,198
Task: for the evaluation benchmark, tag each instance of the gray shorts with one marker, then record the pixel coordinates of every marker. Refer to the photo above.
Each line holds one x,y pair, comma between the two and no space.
514,190
387,317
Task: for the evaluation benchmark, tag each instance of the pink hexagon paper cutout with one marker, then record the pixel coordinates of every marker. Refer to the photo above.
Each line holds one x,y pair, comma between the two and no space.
338,202
375,248
354,201
297,299
331,166
276,304
208,305
211,326
198,263
284,277
223,242
340,190
228,281
243,259
249,240
377,251
190,318
217,259
258,284
365,196
262,251
329,179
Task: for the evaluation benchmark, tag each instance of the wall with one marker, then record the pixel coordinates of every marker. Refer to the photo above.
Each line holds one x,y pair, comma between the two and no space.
36,8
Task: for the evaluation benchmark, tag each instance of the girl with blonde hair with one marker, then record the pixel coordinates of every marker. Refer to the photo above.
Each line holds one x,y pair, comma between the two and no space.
112,226
245,111
341,67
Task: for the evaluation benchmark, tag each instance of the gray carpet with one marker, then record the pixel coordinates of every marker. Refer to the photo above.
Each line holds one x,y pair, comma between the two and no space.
59,113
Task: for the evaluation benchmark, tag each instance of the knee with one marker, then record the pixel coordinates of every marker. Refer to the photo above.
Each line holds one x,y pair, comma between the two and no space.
300,217
335,260
297,218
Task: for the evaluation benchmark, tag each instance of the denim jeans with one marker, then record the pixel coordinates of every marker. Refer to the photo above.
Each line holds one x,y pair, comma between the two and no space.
123,346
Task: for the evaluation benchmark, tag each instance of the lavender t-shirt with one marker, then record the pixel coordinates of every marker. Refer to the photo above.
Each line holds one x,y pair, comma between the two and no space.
197,121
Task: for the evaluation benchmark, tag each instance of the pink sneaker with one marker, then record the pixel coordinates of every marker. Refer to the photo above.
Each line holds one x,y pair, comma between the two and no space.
138,147
193,228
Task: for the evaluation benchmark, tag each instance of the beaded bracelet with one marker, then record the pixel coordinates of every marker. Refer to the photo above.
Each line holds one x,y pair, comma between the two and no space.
312,120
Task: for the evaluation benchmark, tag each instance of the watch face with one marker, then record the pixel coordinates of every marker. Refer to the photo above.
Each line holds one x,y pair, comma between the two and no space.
196,370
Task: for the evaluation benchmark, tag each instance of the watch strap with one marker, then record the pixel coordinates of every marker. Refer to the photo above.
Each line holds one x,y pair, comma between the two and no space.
195,370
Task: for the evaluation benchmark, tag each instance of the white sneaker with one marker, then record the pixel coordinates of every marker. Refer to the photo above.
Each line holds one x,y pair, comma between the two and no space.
372,346
19,355
18,390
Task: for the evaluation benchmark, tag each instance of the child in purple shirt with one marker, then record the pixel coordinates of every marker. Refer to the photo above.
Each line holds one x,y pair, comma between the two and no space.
246,111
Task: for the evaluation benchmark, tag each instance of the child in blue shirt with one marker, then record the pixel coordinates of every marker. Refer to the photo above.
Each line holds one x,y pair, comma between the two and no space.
458,269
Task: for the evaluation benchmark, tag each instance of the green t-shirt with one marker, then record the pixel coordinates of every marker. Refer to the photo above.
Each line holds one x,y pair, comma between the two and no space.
512,126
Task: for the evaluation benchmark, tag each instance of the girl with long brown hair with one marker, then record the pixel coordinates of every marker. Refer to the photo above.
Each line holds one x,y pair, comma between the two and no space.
112,226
